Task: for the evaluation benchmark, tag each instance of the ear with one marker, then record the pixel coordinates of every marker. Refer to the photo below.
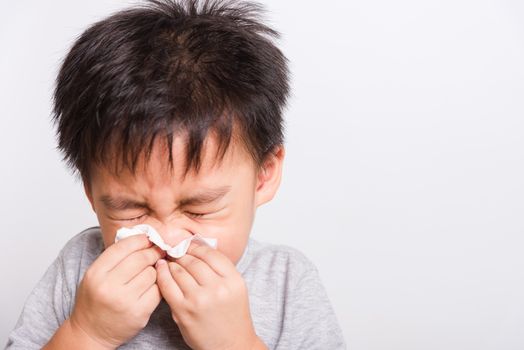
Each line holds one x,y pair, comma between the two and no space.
88,193
268,177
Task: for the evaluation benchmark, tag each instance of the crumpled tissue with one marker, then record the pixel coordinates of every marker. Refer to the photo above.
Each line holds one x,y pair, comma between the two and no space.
176,252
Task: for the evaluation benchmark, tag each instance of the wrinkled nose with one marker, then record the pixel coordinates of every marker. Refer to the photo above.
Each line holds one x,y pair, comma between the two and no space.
173,234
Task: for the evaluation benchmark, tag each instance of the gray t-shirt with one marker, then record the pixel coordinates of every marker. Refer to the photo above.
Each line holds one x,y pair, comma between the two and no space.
289,306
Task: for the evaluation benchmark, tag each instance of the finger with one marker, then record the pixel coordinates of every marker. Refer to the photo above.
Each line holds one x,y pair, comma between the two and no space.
167,286
151,298
214,258
135,263
201,271
143,281
118,251
187,284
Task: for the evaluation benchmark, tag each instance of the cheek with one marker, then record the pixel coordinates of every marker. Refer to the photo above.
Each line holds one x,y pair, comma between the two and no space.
108,232
233,249
233,238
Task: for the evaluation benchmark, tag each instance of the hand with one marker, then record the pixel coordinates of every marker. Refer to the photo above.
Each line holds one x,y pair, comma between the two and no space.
118,293
208,300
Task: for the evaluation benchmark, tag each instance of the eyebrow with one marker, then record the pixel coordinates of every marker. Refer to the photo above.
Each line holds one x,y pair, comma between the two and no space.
203,197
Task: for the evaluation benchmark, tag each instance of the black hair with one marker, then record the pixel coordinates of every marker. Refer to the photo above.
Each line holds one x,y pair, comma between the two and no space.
169,67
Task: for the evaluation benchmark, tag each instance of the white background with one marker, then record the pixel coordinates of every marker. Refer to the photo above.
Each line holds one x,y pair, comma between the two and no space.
404,174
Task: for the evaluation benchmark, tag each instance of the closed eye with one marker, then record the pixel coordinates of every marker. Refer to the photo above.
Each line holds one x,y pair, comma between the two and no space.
135,218
195,215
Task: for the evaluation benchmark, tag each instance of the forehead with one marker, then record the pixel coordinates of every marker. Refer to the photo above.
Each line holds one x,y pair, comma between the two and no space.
157,169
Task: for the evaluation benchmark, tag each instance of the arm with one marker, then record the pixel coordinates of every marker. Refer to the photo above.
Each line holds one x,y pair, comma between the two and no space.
111,305
70,337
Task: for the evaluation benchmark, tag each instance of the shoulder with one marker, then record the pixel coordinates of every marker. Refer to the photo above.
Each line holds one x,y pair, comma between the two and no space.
52,298
289,304
88,241
80,251
278,260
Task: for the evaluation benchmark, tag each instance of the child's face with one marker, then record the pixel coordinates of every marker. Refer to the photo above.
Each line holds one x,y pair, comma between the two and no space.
159,198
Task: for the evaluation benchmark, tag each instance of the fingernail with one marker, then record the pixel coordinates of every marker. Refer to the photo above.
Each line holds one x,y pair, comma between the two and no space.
160,262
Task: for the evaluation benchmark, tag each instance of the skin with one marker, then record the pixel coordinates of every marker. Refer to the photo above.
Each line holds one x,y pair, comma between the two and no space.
206,293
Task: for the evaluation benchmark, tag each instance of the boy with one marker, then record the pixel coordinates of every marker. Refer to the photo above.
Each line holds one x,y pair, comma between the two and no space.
171,114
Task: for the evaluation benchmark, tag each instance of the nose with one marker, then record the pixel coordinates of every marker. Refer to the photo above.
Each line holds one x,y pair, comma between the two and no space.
172,233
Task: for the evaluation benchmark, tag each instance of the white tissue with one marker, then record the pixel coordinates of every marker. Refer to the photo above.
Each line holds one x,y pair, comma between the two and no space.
176,252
